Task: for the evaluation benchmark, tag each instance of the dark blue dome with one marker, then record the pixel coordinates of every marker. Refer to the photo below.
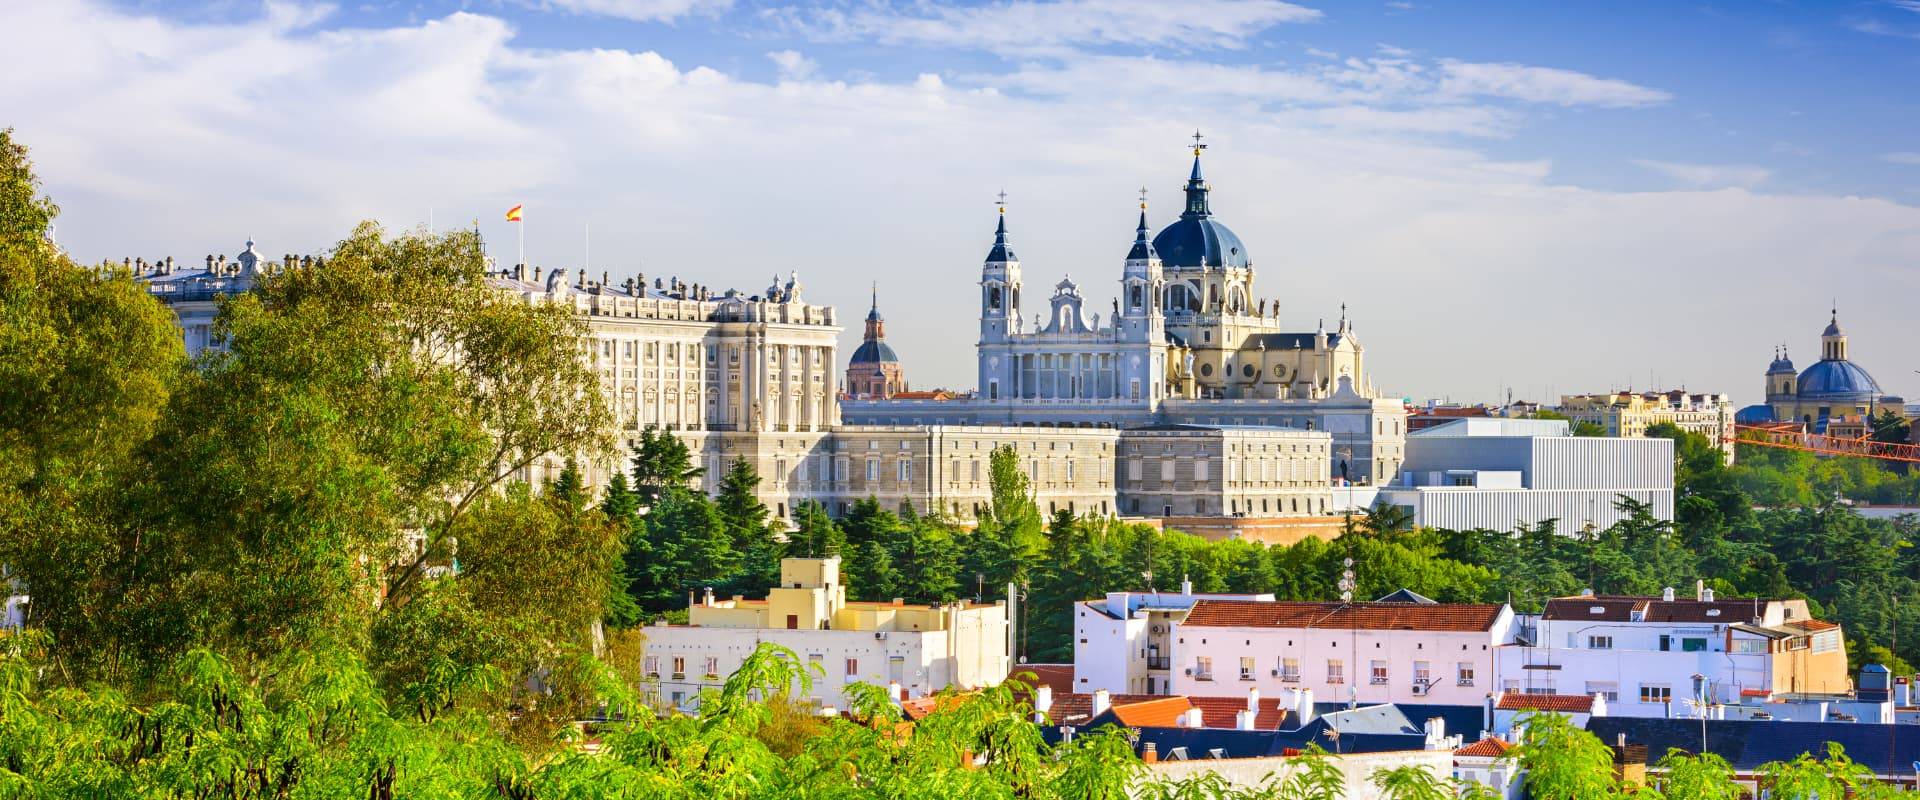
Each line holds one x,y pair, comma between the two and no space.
1838,379
1197,239
1199,242
1753,415
874,353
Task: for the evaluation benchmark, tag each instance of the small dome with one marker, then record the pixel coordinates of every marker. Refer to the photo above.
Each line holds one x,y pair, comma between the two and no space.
1838,379
1781,363
874,353
1754,414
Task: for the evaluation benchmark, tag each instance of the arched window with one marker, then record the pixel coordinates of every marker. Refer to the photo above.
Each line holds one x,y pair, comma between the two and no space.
993,298
1135,301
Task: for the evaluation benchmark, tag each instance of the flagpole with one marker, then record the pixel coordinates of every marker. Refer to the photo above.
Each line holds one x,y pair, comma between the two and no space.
523,236
589,247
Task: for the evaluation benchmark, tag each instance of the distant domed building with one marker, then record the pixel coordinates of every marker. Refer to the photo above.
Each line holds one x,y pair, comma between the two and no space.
874,371
1831,390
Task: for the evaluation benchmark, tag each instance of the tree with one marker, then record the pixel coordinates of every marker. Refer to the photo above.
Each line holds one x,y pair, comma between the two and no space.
1703,777
815,535
661,461
1563,762
1008,539
1386,519
746,521
1588,428
1411,783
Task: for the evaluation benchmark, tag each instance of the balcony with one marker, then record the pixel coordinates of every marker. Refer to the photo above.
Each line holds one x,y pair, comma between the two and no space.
1159,662
1378,680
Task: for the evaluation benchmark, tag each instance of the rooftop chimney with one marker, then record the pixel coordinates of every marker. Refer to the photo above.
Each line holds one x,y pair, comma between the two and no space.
894,692
1192,718
1306,706
1186,586
1666,595
1253,699
1243,720
1149,753
1700,590
1101,701
1043,699
1706,594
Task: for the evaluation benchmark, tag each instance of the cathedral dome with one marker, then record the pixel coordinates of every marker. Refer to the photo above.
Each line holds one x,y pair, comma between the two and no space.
872,352
1838,380
1198,240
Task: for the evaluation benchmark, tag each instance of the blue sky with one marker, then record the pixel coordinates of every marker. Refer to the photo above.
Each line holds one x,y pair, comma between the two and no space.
1551,197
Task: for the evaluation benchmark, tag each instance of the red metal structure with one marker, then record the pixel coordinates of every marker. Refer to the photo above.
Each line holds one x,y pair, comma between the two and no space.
1788,436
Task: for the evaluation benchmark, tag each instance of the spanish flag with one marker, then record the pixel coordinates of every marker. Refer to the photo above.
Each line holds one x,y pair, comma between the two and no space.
513,214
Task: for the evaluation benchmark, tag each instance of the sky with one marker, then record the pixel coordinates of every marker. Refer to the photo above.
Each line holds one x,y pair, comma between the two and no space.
1541,198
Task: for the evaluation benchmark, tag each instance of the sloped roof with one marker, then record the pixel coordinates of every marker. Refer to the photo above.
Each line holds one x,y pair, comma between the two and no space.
1557,703
1485,748
1163,712
1747,744
1462,617
1223,712
1057,676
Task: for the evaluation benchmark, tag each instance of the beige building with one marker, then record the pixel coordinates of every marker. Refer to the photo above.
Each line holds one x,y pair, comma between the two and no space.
1202,470
1630,414
922,648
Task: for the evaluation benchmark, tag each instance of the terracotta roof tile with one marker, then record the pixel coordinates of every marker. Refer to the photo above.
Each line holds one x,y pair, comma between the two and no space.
1223,712
1160,712
918,708
1363,616
1559,703
1485,748
1058,676
1072,708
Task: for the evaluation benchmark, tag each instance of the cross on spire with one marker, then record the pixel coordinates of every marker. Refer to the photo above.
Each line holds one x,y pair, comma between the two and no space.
1143,198
1003,201
1197,146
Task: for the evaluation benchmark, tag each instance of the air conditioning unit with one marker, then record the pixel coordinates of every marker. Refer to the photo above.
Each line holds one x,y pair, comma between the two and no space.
881,635
1276,673
1157,629
1189,670
1419,690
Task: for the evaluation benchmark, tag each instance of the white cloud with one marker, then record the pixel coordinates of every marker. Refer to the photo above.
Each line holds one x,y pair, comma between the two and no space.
1907,159
793,65
1709,176
1906,5
643,10
1024,25
1545,85
1878,28
1392,51
1349,181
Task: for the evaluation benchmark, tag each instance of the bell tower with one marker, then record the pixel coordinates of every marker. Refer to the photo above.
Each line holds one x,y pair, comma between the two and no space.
1000,286
1141,318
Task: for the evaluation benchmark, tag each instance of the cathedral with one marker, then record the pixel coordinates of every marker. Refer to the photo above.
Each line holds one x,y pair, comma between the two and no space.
1834,392
1188,340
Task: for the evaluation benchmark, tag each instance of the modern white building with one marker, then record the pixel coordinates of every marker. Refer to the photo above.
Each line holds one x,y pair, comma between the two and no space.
1660,656
922,648
1123,644
1370,653
1496,474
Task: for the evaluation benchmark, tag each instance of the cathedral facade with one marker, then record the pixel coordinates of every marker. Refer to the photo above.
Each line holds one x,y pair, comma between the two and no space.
1188,340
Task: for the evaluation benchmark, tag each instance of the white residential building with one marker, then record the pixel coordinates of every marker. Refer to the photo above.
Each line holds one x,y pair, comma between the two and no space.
1656,656
1380,652
923,648
1123,644
1499,473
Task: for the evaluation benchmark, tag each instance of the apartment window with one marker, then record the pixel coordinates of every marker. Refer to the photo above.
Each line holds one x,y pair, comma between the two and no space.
1693,644
1246,668
651,664
1290,670
1599,643
679,666
1463,673
853,670
1203,668
1377,673
1336,671
712,666
1607,689
1655,693
1422,673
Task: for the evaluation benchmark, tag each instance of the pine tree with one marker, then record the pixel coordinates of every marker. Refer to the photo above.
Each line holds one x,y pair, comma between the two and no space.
753,538
929,563
815,535
661,462
688,549
871,574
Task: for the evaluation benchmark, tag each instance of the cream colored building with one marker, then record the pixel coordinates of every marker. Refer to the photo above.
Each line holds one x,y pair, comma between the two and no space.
1630,414
1202,470
923,648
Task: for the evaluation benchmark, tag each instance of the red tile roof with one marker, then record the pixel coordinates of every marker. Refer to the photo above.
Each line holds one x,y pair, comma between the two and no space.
1809,625
1058,676
1160,712
1559,703
1223,712
1362,616
1485,748
918,708
1076,707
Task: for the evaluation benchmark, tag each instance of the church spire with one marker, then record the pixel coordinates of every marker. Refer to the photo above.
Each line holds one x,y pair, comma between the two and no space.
1001,252
1196,185
1142,247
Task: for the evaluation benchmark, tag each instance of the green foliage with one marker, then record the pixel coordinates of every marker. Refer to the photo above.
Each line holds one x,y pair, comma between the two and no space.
1563,762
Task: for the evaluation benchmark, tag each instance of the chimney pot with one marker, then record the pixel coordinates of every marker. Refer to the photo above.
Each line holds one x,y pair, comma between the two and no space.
1043,699
1102,700
1150,754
